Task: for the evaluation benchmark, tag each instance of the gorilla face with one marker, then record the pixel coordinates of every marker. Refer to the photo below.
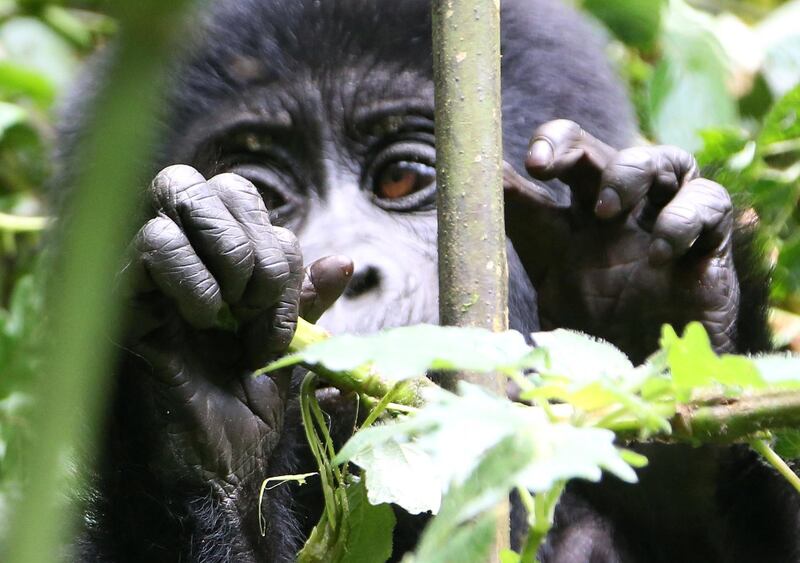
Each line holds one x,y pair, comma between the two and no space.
347,164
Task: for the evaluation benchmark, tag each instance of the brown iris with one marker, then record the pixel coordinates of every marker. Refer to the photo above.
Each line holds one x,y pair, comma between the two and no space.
400,179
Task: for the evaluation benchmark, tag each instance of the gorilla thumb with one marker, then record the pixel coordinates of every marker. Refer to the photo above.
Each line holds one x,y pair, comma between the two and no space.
323,283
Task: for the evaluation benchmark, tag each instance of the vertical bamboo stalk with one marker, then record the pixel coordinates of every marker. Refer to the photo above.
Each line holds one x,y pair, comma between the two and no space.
473,273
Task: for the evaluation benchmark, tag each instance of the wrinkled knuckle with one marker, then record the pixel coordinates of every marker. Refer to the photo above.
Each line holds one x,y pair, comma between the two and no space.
154,233
290,245
168,184
680,218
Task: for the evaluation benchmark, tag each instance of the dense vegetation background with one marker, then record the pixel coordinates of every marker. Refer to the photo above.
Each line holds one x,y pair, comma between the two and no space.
719,77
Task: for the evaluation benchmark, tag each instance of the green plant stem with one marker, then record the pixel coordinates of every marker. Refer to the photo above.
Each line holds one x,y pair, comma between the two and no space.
775,460
729,420
362,380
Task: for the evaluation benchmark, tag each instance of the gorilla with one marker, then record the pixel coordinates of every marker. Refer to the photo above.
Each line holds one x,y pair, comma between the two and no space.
295,175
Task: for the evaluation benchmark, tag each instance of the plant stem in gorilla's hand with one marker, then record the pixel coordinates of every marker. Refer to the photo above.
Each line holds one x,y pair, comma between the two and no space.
364,379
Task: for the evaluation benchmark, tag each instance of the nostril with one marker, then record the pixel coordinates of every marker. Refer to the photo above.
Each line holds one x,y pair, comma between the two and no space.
363,281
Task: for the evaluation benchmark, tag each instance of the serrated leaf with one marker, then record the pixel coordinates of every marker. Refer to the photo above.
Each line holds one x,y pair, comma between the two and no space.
399,471
454,530
442,443
406,352
370,537
579,358
693,363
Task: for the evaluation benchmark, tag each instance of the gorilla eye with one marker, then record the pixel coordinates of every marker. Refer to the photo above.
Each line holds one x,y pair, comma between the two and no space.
399,179
402,176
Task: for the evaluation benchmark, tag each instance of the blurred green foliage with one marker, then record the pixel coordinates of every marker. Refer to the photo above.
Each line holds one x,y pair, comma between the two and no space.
719,77
42,45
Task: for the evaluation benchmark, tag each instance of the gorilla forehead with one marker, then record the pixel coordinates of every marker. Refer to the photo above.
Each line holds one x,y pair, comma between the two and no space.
553,62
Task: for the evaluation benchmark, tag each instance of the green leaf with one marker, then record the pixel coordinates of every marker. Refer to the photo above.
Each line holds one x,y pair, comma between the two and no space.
10,116
780,35
406,352
779,141
371,527
787,444
469,543
634,22
28,42
688,91
509,556
455,535
397,471
17,79
579,358
693,363
440,445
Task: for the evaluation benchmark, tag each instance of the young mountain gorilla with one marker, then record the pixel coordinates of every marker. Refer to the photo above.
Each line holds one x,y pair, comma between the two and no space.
307,125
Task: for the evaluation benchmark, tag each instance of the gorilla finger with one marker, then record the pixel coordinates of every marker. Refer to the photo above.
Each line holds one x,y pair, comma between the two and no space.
216,236
177,271
624,182
271,269
324,281
269,334
562,149
674,167
699,217
169,187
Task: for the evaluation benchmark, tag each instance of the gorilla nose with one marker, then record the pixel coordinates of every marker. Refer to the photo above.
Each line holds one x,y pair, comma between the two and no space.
363,281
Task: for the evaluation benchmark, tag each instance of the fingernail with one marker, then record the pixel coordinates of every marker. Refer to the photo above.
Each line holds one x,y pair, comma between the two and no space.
540,153
660,252
608,204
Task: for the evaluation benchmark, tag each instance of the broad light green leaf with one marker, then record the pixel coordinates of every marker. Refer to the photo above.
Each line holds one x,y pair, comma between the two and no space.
398,471
779,32
693,363
29,42
406,352
370,537
440,446
16,79
579,358
688,92
457,533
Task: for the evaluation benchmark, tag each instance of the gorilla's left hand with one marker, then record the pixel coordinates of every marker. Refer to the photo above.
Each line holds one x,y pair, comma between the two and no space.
637,240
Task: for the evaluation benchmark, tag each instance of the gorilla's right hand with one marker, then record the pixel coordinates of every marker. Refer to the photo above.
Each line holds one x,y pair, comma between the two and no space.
216,291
